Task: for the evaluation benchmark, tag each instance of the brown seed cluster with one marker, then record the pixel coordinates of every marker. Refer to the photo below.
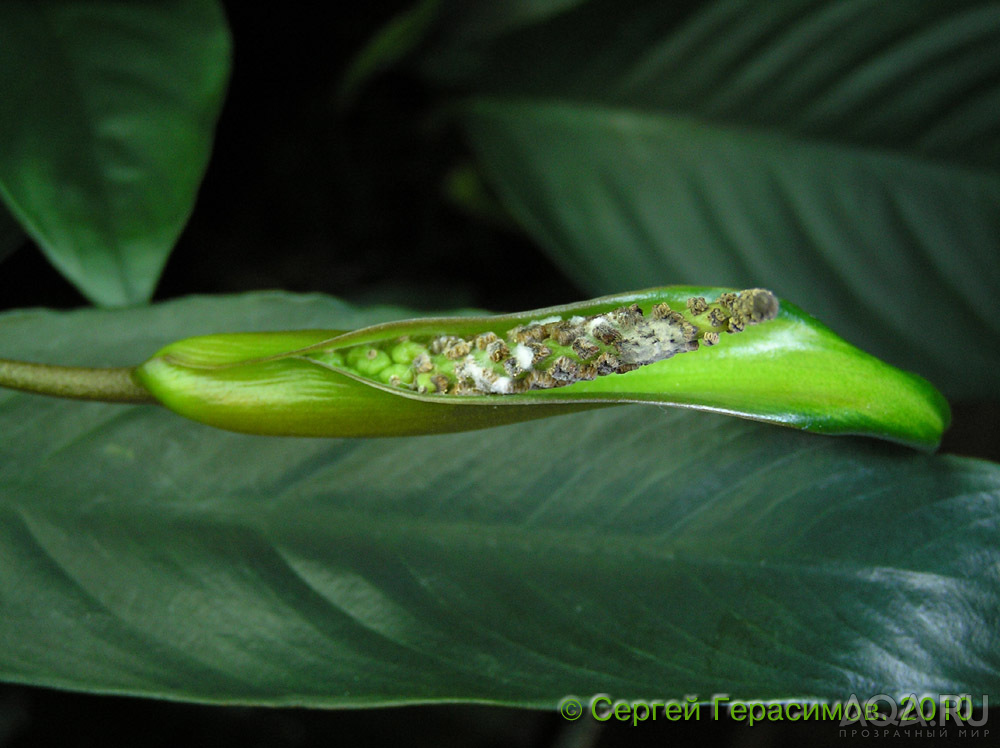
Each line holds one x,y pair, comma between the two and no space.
697,305
485,340
422,364
497,350
512,367
585,349
458,349
560,352
737,310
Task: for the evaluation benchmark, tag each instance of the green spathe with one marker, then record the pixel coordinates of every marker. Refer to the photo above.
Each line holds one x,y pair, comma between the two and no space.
792,371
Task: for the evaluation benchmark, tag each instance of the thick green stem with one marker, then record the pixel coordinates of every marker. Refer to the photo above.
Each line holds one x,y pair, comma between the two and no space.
113,385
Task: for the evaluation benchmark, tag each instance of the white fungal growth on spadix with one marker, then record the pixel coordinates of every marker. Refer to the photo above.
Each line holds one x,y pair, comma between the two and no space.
502,386
652,340
483,379
524,356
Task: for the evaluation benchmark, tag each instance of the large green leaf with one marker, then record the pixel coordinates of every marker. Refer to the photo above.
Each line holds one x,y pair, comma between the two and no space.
107,111
844,153
633,551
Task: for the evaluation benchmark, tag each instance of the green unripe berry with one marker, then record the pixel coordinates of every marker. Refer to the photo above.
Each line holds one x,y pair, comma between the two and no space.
400,372
406,351
425,383
355,355
367,361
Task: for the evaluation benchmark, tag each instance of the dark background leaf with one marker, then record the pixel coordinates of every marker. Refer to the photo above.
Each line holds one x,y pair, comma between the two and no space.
107,113
844,154
471,23
304,196
11,235
497,565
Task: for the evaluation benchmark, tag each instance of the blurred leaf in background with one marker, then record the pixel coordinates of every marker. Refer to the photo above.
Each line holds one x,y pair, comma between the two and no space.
844,153
11,235
107,114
